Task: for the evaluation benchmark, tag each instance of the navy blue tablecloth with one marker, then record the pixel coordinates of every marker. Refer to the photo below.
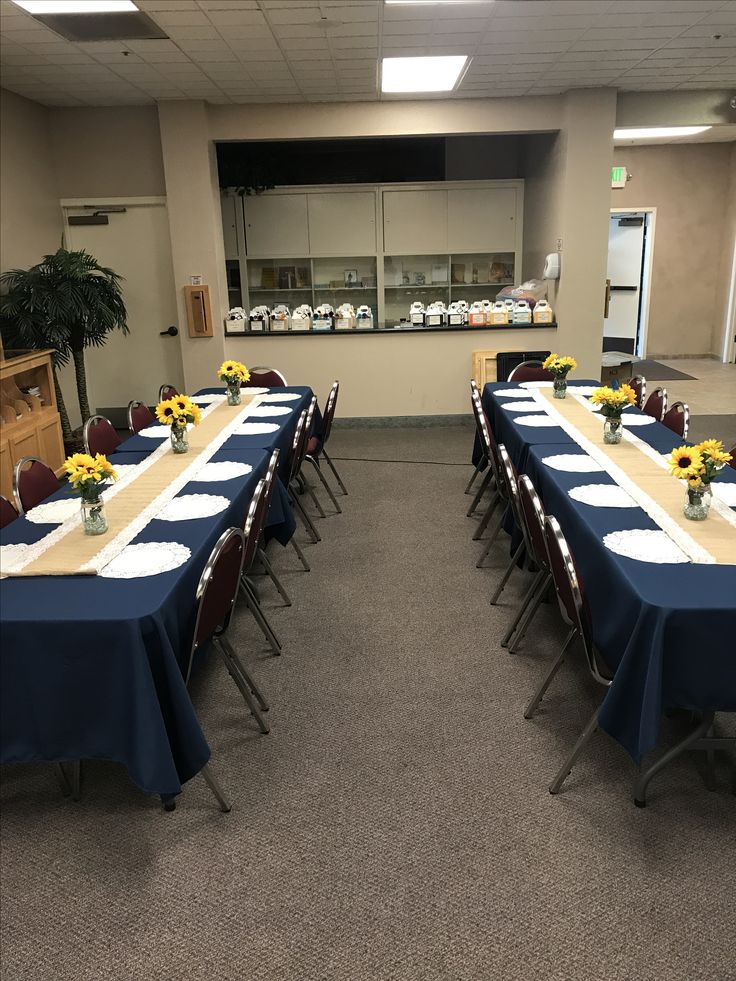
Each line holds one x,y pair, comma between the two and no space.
667,630
91,667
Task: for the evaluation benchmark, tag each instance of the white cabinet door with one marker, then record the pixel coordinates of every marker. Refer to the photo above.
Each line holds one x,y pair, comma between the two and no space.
481,220
342,223
276,224
414,222
229,234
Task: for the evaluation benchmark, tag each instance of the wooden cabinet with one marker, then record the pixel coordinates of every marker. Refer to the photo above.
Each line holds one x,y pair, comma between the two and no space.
30,422
481,219
276,225
342,223
414,221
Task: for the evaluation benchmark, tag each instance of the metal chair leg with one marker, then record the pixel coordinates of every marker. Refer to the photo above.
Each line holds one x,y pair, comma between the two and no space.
324,483
492,505
642,782
295,545
307,521
331,465
265,562
214,785
528,617
566,769
538,695
255,608
244,683
61,776
479,493
529,595
310,490
518,553
490,542
478,468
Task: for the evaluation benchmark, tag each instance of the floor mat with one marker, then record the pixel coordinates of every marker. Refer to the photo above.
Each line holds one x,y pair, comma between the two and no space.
656,371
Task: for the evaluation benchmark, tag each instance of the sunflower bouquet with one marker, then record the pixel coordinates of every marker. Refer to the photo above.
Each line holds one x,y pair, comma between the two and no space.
234,374
179,412
560,366
613,401
88,477
698,465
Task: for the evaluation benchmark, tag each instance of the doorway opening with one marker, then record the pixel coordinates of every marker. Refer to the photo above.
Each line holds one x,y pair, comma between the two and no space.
630,250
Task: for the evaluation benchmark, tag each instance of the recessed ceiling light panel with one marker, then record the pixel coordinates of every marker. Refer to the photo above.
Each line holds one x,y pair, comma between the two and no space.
76,6
431,74
657,132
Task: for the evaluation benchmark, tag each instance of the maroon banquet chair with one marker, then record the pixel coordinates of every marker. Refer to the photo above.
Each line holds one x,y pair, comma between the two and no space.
316,446
254,522
167,392
656,404
269,481
33,482
639,384
100,436
139,416
732,461
265,378
293,463
677,418
482,424
509,479
530,371
8,513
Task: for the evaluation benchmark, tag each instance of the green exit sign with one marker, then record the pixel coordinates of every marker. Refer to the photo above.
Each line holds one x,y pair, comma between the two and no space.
618,176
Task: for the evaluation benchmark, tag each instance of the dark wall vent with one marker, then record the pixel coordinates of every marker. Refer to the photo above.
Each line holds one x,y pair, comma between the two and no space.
103,27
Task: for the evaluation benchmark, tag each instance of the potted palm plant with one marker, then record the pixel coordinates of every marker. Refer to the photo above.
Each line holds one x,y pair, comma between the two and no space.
66,302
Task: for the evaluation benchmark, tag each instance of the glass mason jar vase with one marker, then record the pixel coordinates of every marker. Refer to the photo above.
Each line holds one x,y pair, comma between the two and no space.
697,502
559,387
233,394
613,429
94,521
179,441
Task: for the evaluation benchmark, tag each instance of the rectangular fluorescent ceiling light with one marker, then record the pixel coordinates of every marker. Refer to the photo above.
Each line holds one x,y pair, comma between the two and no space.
76,6
430,3
430,74
653,132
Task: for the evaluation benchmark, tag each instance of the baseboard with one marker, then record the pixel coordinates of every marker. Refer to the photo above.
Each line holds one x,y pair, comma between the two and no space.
680,357
395,422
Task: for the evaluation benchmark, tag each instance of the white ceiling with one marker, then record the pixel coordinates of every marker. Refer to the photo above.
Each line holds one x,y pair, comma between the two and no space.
238,51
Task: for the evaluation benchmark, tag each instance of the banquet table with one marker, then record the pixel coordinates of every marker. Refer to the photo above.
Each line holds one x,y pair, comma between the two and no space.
664,623
91,665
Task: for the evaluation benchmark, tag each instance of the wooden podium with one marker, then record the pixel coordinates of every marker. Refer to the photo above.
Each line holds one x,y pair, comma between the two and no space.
29,424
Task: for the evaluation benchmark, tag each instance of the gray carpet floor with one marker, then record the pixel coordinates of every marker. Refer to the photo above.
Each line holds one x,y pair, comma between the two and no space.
721,427
396,823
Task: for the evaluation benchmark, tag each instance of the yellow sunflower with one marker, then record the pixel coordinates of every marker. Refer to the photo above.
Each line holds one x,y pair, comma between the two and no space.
686,463
165,411
195,413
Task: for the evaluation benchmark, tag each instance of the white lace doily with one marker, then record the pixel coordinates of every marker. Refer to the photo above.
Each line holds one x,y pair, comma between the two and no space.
602,496
247,390
582,389
521,406
155,432
225,470
281,397
536,384
725,493
9,554
264,411
193,506
146,559
209,399
53,512
573,463
637,420
644,545
255,429
537,422
517,393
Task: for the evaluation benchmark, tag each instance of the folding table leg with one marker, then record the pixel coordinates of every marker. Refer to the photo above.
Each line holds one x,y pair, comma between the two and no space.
535,585
479,493
266,563
295,545
214,785
642,782
331,465
538,695
566,769
324,483
518,552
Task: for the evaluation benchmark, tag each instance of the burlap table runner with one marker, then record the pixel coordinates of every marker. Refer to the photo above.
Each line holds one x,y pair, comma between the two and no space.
132,506
640,471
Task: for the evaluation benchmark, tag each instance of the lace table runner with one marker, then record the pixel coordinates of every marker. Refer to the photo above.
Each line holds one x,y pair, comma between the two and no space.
643,473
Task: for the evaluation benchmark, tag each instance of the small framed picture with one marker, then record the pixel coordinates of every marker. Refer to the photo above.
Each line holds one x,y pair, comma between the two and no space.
351,277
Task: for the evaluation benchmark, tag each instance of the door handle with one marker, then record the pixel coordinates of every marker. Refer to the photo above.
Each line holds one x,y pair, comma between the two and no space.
169,332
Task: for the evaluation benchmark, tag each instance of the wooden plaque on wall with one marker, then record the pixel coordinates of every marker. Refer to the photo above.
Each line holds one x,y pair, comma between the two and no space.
199,312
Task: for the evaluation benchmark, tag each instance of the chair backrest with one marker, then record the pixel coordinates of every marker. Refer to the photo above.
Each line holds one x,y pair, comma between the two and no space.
329,413
100,436
533,515
139,416
217,589
677,418
481,422
530,371
302,449
7,512
732,461
252,528
295,461
488,439
265,378
510,478
261,515
656,404
167,392
570,596
33,482
639,384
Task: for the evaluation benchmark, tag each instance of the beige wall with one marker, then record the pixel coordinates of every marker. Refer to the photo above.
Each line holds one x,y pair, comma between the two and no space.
723,327
382,374
543,162
689,187
30,217
115,152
